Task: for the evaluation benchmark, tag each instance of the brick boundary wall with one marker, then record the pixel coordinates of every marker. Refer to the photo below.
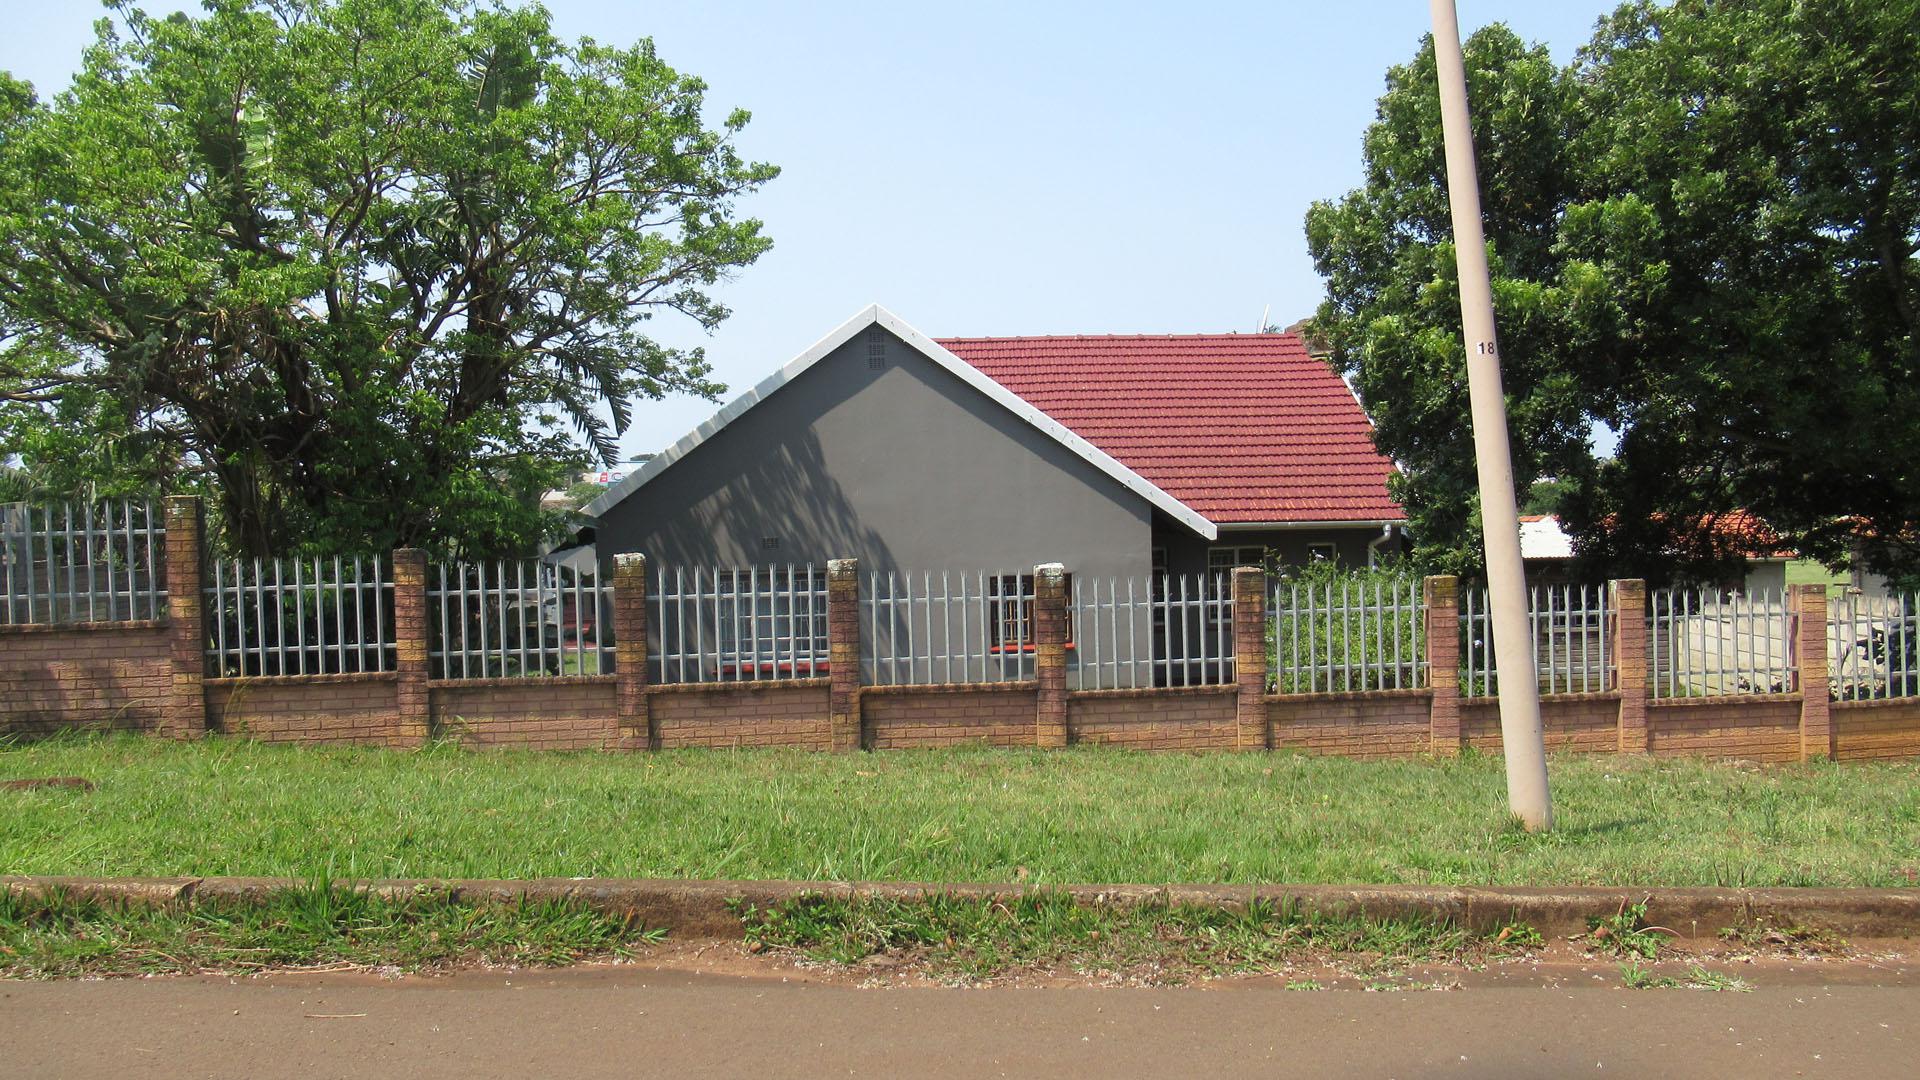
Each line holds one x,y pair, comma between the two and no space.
843,656
1630,662
89,676
1251,730
1883,730
632,726
187,716
1362,724
794,712
1172,718
1440,598
1754,727
150,676
1810,651
568,712
1050,656
1587,723
1003,714
415,719
360,709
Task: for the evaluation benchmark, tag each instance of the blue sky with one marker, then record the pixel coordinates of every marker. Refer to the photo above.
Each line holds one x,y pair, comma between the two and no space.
996,168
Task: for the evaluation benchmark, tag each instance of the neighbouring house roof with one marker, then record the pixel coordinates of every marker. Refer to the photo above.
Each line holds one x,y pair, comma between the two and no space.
1244,428
1743,533
1541,537
1751,537
999,393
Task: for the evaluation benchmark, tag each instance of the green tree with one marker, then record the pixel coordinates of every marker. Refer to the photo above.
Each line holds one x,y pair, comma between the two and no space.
1749,219
372,272
1716,260
1392,313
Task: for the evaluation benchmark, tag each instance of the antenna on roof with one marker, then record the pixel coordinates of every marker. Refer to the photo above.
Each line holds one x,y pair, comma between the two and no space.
1264,312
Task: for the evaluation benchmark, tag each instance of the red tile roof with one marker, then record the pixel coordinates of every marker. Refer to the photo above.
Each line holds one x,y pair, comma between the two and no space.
1730,532
1241,427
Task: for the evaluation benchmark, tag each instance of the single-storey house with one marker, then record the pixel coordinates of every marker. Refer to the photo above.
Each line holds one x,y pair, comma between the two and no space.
1118,456
1547,550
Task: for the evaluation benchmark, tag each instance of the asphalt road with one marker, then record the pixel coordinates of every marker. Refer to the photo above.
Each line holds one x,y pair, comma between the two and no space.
632,1022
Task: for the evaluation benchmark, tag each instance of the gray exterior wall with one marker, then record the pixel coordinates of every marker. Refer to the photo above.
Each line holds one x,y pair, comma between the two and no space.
1768,577
904,468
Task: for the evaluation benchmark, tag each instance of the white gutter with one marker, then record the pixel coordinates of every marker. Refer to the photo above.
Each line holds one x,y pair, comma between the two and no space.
1373,545
1249,526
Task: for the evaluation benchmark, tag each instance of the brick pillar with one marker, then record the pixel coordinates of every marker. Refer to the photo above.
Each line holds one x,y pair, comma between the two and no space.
1441,598
633,724
1810,654
410,645
1050,655
843,655
1250,656
1630,661
185,716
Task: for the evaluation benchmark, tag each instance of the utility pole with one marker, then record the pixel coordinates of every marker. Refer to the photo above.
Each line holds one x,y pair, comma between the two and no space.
1520,734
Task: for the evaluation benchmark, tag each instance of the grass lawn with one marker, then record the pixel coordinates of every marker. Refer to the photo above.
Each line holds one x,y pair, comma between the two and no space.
303,926
1085,815
1810,572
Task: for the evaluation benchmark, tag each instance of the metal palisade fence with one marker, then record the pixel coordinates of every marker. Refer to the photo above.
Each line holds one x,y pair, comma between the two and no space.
1163,630
920,628
82,562
1871,647
738,624
1572,630
318,616
521,617
1327,637
1708,642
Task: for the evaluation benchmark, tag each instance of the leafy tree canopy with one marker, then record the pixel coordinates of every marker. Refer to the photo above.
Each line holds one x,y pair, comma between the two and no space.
372,272
1703,235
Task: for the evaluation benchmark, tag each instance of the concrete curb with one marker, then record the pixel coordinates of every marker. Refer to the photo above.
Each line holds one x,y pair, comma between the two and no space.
703,909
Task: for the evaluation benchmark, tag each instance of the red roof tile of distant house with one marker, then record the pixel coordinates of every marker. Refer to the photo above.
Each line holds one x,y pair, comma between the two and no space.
1744,533
1243,428
1733,532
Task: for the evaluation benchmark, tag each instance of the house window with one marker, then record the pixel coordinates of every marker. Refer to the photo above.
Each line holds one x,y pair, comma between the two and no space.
1222,560
772,622
1324,551
1010,603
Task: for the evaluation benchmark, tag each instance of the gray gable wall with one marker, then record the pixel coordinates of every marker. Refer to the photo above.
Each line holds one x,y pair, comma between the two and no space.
903,466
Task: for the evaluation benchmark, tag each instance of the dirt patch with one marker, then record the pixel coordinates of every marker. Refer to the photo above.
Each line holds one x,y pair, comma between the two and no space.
1558,965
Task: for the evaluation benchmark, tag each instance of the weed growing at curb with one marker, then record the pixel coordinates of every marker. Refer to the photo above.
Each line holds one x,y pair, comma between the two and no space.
1640,977
314,925
1796,940
1637,976
1626,933
979,940
1700,978
1518,935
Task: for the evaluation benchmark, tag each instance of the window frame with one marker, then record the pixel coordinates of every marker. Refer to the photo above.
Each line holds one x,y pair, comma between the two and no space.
1015,612
760,598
